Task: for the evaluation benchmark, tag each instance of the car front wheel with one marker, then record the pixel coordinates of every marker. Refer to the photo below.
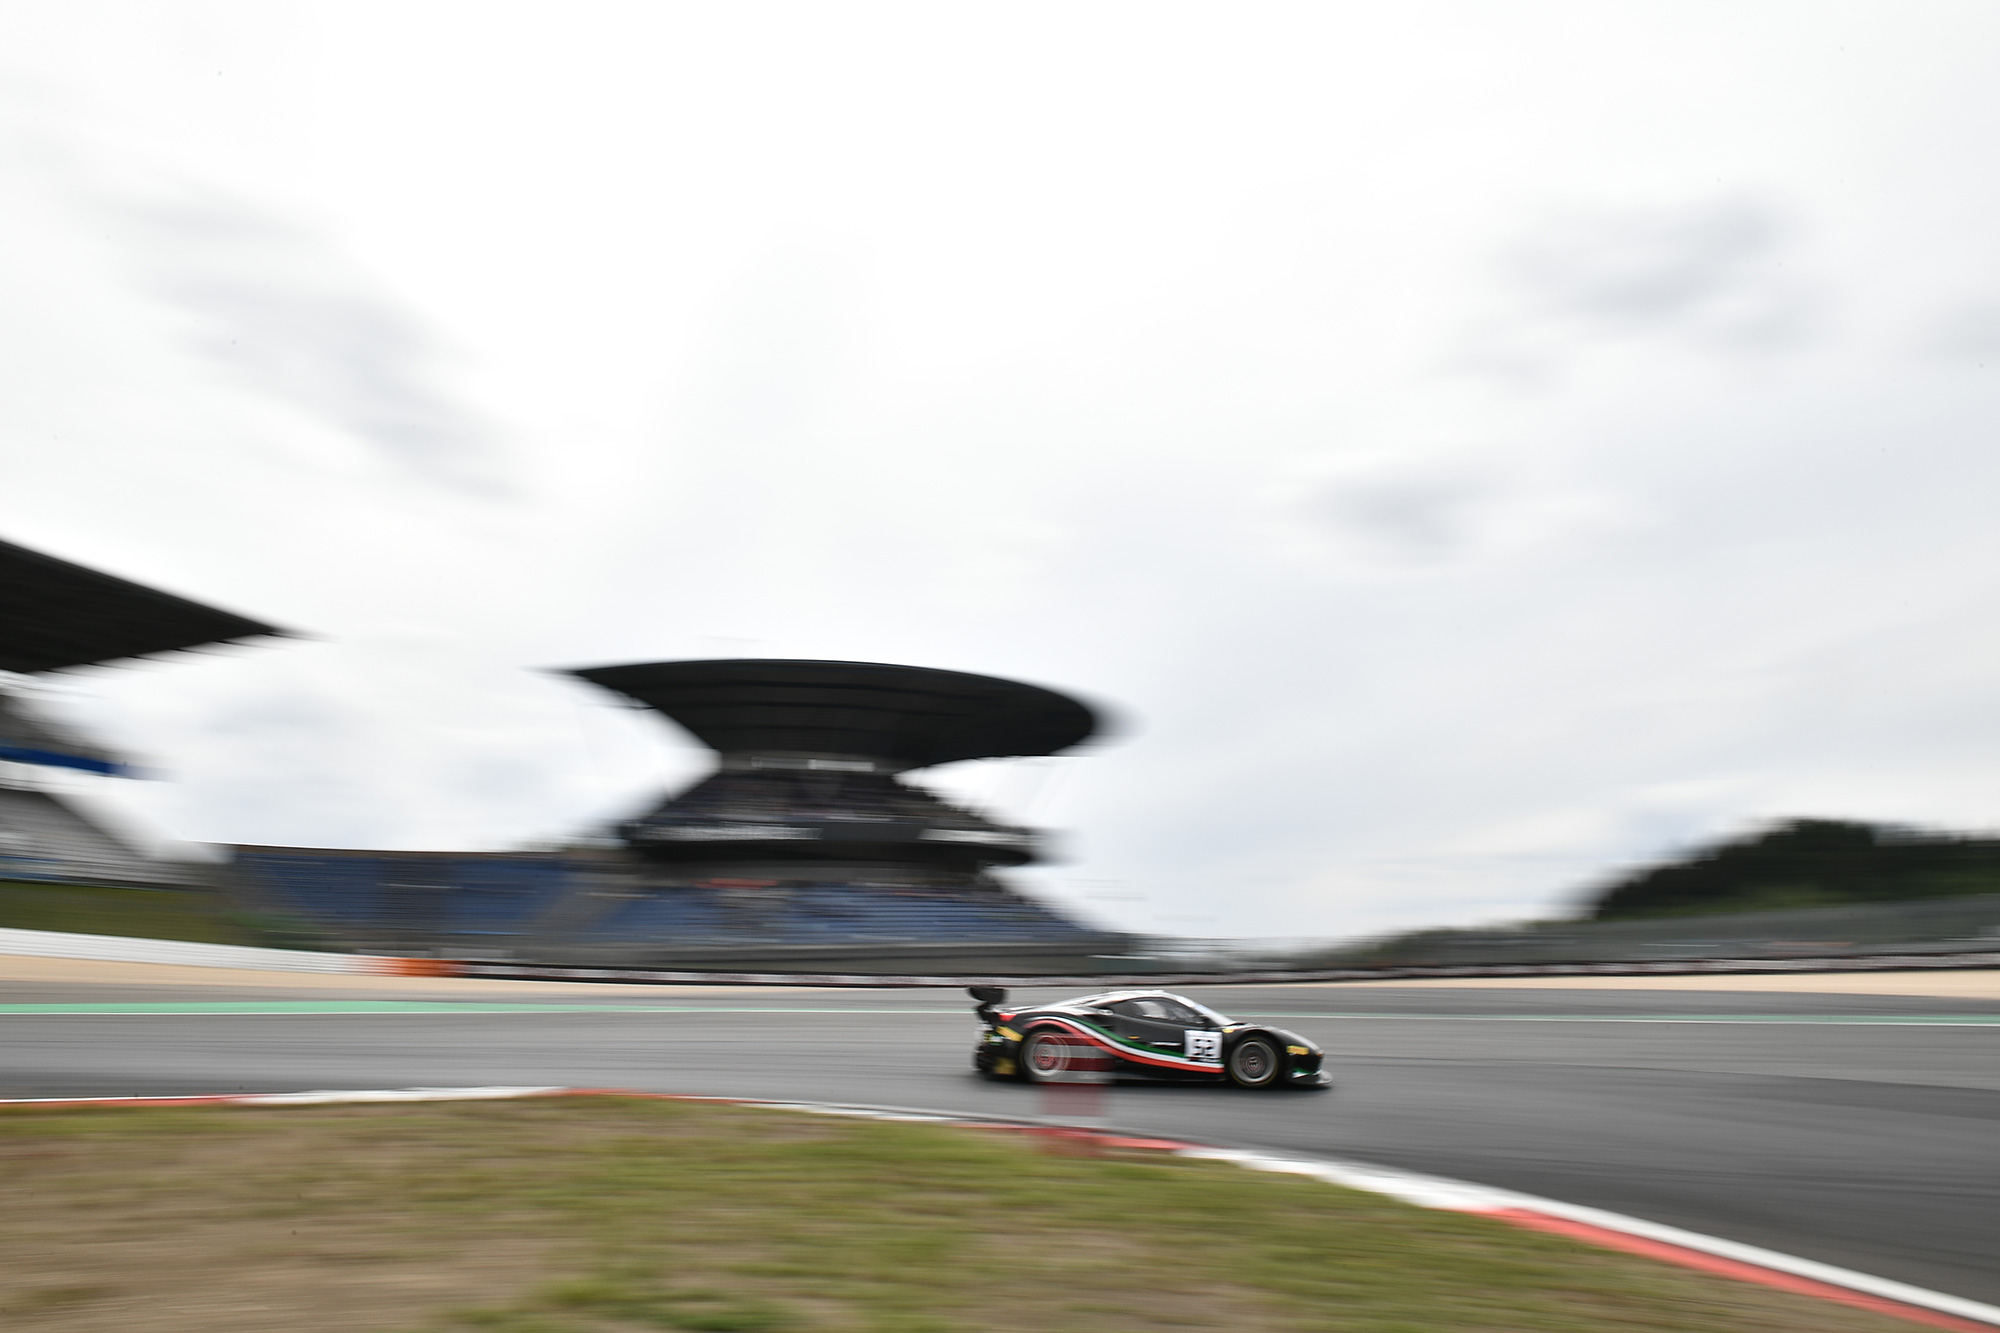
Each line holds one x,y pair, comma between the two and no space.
1253,1063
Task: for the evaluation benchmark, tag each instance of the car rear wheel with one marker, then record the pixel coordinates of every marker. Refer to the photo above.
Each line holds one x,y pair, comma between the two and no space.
1044,1056
1253,1063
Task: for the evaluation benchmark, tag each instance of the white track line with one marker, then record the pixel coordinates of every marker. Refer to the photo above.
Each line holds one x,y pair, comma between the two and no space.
1464,1197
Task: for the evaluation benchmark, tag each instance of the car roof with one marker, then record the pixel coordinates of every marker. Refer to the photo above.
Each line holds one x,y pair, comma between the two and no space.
1110,996
1113,996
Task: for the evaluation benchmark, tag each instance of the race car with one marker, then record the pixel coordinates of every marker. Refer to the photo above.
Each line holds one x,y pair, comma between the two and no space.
1140,1034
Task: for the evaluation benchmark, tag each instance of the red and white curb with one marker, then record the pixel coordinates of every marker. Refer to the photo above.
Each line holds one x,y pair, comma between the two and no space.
1689,1249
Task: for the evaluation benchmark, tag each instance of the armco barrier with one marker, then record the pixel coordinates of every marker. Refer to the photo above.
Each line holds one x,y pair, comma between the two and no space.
1928,962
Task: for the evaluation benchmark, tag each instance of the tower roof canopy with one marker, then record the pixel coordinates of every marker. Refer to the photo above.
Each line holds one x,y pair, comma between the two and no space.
54,614
912,716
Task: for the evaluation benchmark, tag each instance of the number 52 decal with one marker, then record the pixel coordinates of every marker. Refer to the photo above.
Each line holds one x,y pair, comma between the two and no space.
1204,1045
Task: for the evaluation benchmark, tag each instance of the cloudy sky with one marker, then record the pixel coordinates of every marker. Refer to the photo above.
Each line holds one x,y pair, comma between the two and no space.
1471,447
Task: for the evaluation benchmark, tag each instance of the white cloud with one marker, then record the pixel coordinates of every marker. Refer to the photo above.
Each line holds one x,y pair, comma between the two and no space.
1970,333
1122,351
1714,268
280,310
1721,275
1432,512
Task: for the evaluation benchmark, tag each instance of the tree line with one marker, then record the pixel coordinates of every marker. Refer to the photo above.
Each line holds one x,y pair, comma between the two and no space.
1806,863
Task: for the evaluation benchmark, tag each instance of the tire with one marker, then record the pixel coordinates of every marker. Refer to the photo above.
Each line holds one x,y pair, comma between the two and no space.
1253,1063
1051,1048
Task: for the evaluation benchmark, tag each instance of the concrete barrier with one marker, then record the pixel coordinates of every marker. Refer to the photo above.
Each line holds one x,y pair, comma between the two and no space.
125,949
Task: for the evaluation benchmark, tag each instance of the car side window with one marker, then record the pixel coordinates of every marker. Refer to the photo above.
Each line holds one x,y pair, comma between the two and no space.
1156,1010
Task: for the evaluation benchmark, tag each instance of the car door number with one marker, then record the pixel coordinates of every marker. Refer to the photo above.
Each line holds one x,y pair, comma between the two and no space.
1204,1046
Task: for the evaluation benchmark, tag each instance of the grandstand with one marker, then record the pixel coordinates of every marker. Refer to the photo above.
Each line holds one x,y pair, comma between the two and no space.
804,849
808,758
806,843
407,902
837,925
57,616
46,839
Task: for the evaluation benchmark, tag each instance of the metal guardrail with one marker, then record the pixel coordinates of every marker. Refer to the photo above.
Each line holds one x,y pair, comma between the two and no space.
1685,967
123,949
1964,924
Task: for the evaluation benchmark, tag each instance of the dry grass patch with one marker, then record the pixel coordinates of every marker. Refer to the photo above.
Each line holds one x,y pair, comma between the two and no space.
609,1215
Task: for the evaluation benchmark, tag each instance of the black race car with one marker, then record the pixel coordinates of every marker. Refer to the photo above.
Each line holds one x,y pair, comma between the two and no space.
1147,1034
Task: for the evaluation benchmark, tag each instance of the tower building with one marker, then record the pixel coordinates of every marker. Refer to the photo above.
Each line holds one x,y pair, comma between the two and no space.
810,755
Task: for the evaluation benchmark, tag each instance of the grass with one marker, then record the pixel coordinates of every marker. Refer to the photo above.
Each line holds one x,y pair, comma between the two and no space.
199,916
620,1214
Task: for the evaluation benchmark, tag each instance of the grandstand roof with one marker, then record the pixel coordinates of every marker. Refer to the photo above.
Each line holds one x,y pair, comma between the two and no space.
54,614
913,716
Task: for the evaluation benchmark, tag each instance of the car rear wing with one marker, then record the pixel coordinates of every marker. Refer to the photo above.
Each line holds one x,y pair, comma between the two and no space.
988,997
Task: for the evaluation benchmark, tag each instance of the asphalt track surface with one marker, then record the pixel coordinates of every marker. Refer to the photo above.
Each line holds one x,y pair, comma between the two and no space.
1858,1130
